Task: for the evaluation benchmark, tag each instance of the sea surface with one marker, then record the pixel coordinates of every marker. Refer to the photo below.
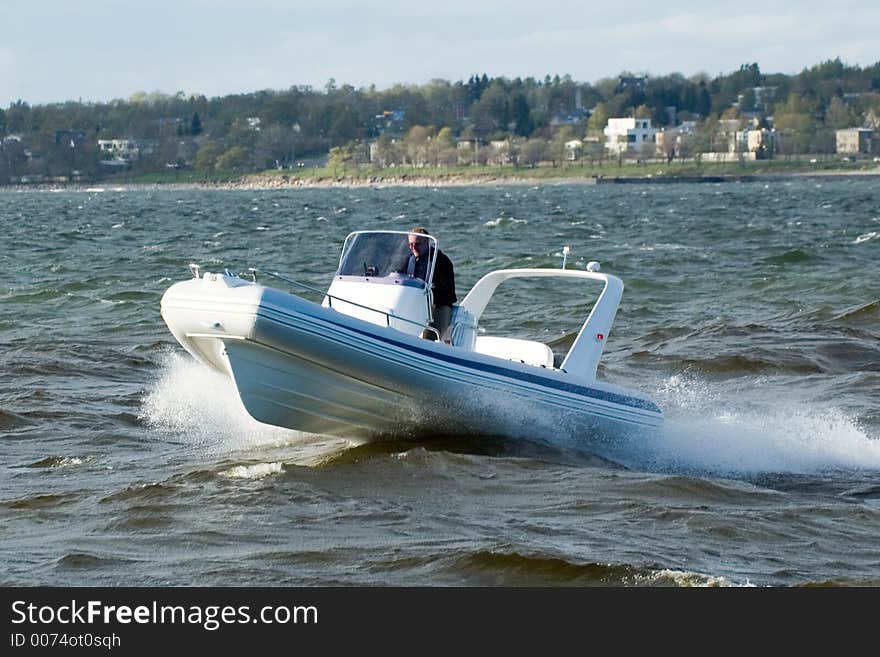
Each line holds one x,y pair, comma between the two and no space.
751,315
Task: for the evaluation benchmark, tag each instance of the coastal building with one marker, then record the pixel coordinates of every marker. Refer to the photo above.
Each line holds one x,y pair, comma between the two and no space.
629,136
500,151
631,82
668,144
732,141
123,149
673,142
390,121
760,141
854,140
729,138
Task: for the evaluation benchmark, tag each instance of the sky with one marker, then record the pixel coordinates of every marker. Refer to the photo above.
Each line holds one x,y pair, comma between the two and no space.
101,50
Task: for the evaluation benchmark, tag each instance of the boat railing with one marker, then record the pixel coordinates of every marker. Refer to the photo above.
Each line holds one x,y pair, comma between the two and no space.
330,298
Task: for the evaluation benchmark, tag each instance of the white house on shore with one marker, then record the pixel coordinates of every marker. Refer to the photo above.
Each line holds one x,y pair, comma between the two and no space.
629,136
119,149
854,140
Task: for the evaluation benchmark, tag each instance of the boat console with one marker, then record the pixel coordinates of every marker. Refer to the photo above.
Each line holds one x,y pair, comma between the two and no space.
375,283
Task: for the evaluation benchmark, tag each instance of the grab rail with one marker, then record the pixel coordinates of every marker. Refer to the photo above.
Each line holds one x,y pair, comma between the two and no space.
388,316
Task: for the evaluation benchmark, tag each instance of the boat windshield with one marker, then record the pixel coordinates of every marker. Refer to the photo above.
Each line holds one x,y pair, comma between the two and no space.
375,254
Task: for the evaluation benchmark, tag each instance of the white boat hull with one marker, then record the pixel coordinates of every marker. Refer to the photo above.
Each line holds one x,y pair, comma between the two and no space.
300,365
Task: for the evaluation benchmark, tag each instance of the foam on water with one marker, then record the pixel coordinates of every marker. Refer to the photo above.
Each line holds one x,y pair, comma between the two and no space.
190,402
689,579
255,471
706,430
731,433
504,221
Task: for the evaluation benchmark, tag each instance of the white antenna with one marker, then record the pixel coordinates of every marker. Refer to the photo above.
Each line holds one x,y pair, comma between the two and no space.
565,252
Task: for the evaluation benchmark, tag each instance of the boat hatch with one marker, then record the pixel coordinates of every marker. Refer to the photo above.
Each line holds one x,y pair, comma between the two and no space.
529,352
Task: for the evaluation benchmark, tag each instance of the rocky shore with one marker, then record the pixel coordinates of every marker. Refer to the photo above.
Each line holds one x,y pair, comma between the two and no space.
263,181
259,181
274,181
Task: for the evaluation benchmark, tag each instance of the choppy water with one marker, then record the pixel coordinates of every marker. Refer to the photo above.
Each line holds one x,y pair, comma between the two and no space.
751,313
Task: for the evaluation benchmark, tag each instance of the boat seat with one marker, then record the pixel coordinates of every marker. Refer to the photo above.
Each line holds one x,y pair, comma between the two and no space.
530,352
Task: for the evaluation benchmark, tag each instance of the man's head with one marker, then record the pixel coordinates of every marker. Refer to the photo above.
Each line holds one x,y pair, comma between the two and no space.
417,244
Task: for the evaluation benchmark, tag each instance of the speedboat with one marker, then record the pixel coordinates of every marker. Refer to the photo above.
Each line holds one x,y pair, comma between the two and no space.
354,361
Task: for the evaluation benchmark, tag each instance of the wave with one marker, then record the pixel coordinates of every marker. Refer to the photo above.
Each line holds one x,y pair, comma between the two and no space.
87,561
10,420
861,312
712,431
696,490
504,221
874,234
752,364
58,462
794,256
194,405
46,501
709,429
65,358
869,492
500,568
826,317
155,492
818,341
253,471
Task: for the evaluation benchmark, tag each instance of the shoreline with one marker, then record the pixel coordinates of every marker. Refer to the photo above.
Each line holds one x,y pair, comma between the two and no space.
255,182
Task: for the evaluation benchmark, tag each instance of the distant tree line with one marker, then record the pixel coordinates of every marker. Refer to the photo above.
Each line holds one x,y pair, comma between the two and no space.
419,125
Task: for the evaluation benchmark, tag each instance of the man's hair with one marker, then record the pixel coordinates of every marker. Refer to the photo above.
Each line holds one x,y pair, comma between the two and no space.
419,229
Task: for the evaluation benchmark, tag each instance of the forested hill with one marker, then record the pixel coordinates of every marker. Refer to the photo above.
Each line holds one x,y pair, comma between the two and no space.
276,128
